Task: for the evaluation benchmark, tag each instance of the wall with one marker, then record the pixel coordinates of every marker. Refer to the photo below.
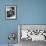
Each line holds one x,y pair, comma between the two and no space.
28,12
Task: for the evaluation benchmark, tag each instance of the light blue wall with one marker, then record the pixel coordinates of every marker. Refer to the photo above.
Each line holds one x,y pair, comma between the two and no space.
28,12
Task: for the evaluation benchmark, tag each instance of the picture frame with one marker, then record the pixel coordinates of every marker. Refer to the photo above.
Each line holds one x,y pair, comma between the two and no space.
10,12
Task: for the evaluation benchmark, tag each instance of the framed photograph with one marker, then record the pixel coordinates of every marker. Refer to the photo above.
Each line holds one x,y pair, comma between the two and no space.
10,11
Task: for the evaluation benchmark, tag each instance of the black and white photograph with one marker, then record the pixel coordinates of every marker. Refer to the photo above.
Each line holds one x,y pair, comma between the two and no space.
11,12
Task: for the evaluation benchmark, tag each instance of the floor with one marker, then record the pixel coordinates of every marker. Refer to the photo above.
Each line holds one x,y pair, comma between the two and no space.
7,45
30,43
